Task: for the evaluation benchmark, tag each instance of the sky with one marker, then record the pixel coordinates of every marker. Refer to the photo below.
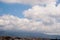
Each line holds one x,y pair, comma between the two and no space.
41,16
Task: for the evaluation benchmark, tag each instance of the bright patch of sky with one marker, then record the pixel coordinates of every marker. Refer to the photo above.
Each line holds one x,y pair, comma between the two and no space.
13,9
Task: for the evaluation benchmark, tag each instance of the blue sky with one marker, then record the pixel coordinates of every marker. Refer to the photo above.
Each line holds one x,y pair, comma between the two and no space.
13,9
40,16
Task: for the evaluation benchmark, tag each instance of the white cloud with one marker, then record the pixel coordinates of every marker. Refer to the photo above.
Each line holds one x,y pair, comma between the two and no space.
37,19
49,16
32,2
10,22
39,12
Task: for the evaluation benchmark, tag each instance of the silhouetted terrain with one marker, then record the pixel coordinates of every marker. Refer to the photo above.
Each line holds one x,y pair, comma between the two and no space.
19,38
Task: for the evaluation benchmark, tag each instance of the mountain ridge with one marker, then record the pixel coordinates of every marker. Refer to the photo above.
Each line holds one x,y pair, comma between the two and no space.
28,34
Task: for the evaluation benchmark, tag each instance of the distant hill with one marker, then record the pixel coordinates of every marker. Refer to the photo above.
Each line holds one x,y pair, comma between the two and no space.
27,34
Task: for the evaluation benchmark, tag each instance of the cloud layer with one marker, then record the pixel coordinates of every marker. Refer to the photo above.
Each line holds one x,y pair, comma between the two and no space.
44,19
10,22
48,15
39,12
31,2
